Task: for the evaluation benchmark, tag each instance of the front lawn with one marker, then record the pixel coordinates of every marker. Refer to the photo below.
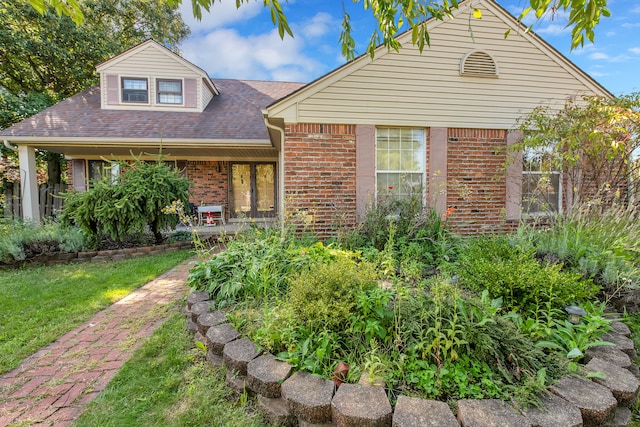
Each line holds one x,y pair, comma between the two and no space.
40,304
168,382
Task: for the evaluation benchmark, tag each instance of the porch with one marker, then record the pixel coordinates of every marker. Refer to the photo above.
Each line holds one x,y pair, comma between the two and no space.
230,228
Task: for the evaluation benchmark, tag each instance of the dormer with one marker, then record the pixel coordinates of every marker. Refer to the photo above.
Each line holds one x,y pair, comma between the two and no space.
151,77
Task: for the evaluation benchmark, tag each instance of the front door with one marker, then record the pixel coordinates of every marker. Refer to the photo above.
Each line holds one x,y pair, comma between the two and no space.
253,190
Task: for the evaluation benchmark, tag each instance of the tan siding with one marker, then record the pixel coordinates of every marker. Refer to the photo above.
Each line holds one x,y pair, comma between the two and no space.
153,64
151,61
409,89
207,96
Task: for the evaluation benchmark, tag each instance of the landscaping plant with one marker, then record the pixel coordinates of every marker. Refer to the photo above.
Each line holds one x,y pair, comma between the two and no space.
129,205
20,240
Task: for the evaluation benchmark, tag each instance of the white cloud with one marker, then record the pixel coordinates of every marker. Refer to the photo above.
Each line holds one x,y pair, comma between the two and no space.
597,74
598,55
318,26
220,14
610,33
553,30
225,53
628,25
588,47
636,9
635,50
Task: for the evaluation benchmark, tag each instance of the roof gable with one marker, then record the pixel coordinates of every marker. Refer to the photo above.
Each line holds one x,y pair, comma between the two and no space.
524,59
128,55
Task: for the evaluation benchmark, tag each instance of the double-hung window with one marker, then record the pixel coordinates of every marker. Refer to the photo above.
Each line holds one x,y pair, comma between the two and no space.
100,169
541,182
170,92
135,89
400,162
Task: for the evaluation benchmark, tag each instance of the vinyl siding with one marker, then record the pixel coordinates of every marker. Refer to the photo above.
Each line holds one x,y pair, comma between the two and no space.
153,64
410,89
207,96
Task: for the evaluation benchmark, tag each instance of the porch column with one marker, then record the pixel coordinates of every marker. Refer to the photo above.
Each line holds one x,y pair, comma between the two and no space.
29,184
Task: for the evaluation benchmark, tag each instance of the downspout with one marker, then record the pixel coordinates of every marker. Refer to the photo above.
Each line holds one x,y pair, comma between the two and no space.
10,146
281,193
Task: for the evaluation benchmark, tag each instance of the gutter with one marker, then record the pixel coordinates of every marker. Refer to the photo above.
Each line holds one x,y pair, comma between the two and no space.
265,116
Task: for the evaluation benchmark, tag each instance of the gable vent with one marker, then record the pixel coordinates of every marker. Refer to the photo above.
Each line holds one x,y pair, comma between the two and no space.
478,63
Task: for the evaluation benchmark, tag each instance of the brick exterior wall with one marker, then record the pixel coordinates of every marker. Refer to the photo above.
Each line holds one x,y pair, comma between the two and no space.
320,175
476,181
209,187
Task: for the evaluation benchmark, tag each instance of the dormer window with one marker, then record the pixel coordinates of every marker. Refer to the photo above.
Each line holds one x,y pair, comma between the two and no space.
135,90
170,92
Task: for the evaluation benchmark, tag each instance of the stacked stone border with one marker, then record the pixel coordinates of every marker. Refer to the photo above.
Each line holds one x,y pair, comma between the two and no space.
99,256
297,398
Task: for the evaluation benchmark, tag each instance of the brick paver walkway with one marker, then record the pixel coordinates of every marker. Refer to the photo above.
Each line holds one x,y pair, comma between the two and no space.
52,386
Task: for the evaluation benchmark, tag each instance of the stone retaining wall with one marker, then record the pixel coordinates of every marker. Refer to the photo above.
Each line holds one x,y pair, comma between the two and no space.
299,398
99,256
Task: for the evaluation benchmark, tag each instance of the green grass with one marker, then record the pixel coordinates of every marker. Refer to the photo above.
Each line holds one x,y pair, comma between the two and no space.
167,382
40,304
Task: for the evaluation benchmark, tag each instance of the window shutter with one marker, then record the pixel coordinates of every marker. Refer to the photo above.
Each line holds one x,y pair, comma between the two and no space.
190,93
113,89
514,178
79,175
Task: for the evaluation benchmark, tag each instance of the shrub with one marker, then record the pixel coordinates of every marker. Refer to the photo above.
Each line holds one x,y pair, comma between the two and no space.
407,232
325,295
513,273
600,244
20,240
129,205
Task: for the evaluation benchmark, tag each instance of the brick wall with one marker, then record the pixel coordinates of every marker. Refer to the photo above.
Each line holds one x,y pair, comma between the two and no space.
320,176
476,181
209,187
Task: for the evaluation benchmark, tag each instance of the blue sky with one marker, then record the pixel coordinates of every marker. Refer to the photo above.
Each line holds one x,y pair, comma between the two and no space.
243,43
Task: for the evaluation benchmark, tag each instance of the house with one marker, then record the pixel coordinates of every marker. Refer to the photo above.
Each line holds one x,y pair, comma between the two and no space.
437,122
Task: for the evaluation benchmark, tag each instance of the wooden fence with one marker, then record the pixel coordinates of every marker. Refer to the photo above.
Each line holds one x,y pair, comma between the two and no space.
48,197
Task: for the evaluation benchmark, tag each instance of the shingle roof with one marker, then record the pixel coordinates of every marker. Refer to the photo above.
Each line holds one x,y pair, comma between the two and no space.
235,114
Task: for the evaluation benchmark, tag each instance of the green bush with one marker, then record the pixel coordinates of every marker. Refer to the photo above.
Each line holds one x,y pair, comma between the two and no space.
129,205
325,295
514,274
407,233
603,245
20,240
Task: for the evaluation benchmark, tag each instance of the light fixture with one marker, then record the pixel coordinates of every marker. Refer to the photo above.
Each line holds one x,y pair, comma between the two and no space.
575,314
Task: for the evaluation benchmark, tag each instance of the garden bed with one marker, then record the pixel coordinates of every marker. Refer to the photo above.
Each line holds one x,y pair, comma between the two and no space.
430,315
287,397
98,256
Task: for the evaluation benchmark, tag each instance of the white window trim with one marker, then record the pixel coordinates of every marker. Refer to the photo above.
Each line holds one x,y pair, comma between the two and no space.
157,92
115,172
122,78
539,214
424,162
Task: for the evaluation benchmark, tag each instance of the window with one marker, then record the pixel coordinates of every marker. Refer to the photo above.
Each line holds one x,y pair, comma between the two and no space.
541,184
135,90
169,92
400,162
99,169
